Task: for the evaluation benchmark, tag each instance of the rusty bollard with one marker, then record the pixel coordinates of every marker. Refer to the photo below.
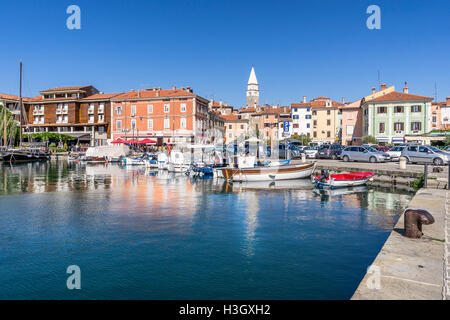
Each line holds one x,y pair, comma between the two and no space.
414,218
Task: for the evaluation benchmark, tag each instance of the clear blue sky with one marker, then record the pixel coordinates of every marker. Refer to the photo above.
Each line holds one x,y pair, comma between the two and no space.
298,48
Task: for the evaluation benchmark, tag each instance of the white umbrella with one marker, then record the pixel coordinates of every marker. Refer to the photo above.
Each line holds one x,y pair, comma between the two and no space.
253,139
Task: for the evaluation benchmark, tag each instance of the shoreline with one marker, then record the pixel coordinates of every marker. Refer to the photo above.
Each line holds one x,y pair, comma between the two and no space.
413,269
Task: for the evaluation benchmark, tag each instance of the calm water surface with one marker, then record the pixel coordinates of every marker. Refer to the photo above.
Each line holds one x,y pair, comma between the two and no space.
137,234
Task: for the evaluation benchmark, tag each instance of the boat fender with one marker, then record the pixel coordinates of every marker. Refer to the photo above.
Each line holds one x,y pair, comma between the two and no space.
414,218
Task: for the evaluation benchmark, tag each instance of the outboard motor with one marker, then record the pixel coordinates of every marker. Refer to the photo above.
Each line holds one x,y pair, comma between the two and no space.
324,175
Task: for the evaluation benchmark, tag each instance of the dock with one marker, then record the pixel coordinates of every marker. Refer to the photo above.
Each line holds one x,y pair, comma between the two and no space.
413,269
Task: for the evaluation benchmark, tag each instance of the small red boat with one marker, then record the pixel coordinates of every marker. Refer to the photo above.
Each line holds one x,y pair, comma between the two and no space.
342,180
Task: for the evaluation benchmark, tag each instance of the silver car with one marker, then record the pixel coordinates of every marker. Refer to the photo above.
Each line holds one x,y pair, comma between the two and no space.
425,154
395,152
310,152
369,154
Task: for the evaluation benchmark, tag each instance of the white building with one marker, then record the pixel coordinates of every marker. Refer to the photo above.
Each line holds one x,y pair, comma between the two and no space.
301,118
445,114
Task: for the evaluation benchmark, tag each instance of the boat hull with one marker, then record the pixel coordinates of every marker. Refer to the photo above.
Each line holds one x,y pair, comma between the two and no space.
344,180
24,157
269,173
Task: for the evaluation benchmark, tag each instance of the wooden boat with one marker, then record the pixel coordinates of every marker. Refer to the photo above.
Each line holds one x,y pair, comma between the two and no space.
95,159
25,155
266,173
342,180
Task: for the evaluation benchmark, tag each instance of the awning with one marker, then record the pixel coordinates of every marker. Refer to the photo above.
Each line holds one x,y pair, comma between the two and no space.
118,141
398,139
383,139
147,141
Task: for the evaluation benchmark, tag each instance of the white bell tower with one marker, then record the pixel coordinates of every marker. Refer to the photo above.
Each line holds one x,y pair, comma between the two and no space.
252,90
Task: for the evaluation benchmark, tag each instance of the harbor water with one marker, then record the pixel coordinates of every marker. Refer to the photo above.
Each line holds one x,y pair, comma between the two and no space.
140,234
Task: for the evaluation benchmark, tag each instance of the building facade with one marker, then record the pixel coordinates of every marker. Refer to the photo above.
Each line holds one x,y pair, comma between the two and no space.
392,116
445,114
169,116
236,127
301,118
81,112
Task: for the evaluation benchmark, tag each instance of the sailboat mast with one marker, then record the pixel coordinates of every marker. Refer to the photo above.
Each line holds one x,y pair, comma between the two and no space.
20,104
5,135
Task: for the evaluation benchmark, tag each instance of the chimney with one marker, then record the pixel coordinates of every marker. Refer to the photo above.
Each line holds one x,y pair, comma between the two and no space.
220,103
383,86
373,90
139,93
188,89
405,89
304,99
157,92
343,100
174,87
448,101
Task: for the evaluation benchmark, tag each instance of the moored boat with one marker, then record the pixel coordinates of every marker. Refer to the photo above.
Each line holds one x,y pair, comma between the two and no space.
267,173
342,180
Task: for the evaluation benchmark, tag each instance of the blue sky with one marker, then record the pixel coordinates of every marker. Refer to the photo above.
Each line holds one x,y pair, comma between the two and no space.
312,48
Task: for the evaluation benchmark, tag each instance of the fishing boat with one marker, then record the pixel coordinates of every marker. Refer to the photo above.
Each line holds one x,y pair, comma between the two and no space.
269,173
341,180
25,155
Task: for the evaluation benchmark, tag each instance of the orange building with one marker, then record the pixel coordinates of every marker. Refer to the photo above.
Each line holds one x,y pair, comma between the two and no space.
436,122
168,116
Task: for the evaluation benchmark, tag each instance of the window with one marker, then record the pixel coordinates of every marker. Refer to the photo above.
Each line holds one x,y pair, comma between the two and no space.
183,107
314,113
416,126
434,119
381,127
414,149
133,110
167,108
307,116
382,110
398,109
295,116
101,118
183,123
315,134
350,130
118,109
91,118
328,122
295,125
230,126
315,123
66,119
133,123
150,108
150,123
423,149
328,112
328,134
416,108
166,123
295,109
242,127
398,126
308,125
101,108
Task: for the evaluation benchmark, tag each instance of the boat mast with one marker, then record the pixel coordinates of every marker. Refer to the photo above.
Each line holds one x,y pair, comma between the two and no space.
5,135
20,104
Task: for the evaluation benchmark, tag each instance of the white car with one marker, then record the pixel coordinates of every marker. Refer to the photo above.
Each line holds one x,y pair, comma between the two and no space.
395,153
310,152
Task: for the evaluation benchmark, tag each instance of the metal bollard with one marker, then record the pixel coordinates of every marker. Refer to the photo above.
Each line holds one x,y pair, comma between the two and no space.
303,157
402,163
414,218
425,175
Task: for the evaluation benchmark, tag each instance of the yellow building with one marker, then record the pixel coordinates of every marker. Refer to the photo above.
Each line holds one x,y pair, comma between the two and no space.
325,120
235,127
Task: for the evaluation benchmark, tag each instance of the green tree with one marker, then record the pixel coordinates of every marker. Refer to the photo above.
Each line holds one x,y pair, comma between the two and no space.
447,140
303,138
369,139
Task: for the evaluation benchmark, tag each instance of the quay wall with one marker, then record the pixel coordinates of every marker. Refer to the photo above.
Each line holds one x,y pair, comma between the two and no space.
413,269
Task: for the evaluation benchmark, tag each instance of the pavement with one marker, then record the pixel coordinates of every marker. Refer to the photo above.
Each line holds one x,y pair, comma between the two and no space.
413,269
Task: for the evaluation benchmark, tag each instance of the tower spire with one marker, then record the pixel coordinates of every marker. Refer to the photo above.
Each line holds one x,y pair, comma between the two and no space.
252,90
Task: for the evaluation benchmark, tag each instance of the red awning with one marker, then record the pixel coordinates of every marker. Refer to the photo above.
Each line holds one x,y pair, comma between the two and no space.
146,141
118,141
132,141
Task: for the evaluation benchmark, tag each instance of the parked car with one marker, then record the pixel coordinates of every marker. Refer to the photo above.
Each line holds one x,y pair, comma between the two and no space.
310,152
295,153
382,148
395,152
330,151
425,154
354,153
447,149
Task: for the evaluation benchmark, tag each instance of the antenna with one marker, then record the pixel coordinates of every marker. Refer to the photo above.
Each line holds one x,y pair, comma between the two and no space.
435,91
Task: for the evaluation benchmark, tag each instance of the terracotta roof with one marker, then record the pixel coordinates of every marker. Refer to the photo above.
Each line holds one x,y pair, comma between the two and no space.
39,98
396,96
12,97
317,103
67,88
233,117
352,105
247,110
101,96
439,103
150,93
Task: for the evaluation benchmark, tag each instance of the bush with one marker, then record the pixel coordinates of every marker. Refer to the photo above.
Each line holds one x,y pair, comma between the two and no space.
369,139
